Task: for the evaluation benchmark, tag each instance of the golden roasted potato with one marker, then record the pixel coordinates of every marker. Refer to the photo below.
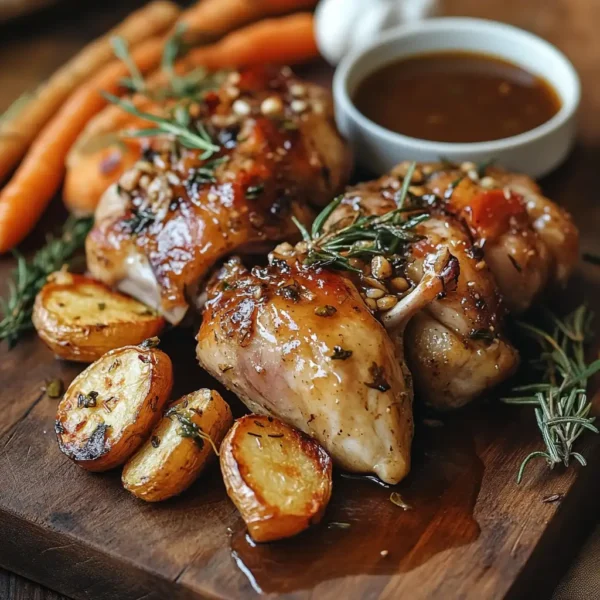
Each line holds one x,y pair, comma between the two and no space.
81,319
180,447
111,407
278,477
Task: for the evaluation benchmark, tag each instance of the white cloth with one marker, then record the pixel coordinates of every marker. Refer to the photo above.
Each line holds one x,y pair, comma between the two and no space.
343,25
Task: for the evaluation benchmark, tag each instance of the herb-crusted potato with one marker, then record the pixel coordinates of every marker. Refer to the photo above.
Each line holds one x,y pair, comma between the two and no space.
111,407
278,477
180,447
80,318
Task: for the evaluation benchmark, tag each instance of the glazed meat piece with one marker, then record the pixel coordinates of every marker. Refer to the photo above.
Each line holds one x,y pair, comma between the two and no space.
528,241
299,343
455,347
179,210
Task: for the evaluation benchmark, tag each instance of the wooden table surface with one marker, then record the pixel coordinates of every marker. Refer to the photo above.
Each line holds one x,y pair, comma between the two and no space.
31,49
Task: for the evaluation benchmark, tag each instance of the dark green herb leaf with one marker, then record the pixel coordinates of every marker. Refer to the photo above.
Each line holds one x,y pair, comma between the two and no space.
30,276
340,354
55,388
121,49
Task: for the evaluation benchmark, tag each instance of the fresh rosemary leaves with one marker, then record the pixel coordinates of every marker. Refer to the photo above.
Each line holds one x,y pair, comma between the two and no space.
189,135
561,405
365,236
30,275
135,82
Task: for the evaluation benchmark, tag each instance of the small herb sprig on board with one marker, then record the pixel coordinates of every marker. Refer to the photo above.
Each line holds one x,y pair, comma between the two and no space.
561,405
365,236
189,135
189,429
30,276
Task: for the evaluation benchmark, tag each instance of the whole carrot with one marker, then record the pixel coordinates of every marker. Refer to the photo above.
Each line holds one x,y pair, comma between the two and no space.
209,20
39,176
18,131
286,40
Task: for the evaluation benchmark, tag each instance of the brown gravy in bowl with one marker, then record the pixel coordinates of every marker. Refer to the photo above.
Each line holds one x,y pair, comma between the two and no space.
450,96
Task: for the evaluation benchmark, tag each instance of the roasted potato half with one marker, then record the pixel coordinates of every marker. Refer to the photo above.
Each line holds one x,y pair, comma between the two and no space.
110,408
180,447
81,319
278,477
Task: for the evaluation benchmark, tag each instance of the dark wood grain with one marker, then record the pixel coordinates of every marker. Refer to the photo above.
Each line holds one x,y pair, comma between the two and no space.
472,533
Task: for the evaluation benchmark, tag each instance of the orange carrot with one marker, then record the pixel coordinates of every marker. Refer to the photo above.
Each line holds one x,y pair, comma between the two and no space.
19,131
209,20
286,40
35,182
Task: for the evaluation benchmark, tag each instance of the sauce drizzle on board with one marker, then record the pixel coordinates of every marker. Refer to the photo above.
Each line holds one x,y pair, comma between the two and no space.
456,97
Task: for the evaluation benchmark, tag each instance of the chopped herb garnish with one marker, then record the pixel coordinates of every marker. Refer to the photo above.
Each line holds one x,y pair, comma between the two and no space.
482,334
275,435
254,434
115,365
453,185
189,429
101,305
152,342
254,191
562,409
290,291
379,381
30,276
514,262
139,221
483,166
55,388
340,354
87,400
325,311
155,441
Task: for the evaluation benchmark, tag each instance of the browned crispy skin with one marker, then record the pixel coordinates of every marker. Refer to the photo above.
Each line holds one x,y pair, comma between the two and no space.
168,222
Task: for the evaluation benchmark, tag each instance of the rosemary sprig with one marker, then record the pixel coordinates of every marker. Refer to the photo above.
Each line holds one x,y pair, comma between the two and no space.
365,236
189,135
135,82
30,275
561,405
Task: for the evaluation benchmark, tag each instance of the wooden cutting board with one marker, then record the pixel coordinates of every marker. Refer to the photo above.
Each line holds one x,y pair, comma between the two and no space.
472,532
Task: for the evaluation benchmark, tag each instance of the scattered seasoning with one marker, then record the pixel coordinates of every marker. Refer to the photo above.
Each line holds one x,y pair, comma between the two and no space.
116,364
152,342
147,313
55,388
145,359
254,434
139,221
275,435
553,498
87,400
515,264
225,368
340,353
101,305
155,441
325,311
290,292
338,525
396,498
379,382
254,191
483,166
258,424
482,334
450,189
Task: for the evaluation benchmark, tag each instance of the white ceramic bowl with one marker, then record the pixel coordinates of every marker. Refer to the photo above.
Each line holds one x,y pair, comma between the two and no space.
534,152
